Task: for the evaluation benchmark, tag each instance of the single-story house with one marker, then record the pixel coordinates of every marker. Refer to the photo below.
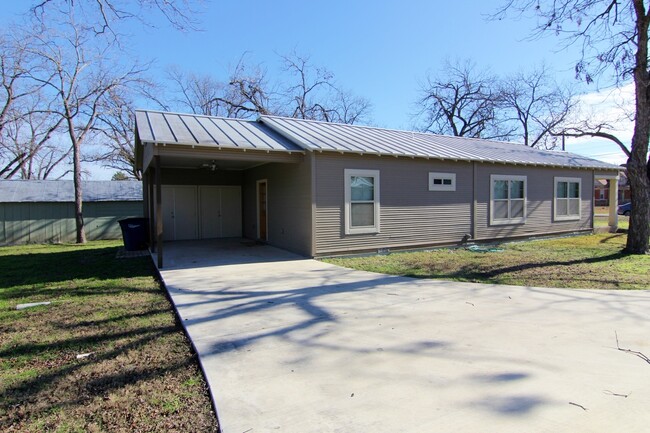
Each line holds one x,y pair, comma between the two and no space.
38,211
319,188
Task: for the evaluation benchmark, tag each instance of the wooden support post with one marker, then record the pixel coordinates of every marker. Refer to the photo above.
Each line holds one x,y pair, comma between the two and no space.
159,216
151,215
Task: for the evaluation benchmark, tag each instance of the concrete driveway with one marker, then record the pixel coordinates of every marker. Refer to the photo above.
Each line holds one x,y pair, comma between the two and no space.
295,345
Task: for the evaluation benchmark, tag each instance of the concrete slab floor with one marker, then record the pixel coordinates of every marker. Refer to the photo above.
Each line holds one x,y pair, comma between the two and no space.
296,345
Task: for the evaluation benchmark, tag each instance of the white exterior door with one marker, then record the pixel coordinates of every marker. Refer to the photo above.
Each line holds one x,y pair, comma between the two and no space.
221,215
231,212
180,220
210,211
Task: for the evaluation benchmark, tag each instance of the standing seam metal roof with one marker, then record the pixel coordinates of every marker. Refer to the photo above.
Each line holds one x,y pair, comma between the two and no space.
62,191
273,133
196,130
336,137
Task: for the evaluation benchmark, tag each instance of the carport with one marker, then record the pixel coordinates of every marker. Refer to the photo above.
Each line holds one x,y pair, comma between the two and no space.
201,176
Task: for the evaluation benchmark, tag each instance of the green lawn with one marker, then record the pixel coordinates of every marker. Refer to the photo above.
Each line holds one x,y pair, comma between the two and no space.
588,261
141,376
602,221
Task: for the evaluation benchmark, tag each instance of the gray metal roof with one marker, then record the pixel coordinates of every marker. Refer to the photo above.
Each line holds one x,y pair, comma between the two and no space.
337,137
62,191
196,130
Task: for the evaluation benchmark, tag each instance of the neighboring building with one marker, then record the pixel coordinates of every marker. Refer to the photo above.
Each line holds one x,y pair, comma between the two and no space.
320,188
601,190
38,211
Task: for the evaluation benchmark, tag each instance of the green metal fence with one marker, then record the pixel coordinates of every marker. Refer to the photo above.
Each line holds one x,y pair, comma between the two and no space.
22,223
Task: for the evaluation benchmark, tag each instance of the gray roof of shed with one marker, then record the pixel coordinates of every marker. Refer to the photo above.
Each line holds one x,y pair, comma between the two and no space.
196,130
62,191
337,137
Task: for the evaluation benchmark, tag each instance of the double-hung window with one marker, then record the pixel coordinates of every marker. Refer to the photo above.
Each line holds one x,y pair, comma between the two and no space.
567,198
507,199
361,201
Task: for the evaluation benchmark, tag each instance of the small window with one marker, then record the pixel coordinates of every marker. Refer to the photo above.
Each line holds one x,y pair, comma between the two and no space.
567,198
442,181
507,199
361,201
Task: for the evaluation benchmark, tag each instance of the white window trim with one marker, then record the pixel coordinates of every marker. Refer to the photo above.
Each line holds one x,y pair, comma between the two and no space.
434,175
522,220
349,230
557,217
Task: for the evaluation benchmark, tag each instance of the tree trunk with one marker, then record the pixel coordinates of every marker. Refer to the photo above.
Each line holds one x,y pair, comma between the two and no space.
76,166
78,202
638,237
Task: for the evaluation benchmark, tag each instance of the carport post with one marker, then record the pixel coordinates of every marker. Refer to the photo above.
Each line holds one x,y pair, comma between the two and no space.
159,220
150,209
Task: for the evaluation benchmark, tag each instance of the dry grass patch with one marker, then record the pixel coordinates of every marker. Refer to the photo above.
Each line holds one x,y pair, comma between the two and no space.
141,376
588,261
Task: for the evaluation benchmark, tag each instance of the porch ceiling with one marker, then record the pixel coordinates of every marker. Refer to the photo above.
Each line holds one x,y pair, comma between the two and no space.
180,156
206,163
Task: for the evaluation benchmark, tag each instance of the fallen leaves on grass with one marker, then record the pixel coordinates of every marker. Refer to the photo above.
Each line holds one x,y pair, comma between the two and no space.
588,261
142,376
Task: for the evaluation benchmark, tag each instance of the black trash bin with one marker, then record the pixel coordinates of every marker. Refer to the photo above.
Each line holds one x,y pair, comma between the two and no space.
134,233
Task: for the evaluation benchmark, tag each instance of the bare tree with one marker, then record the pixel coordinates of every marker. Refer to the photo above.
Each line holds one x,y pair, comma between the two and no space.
116,127
306,92
245,94
104,16
349,108
307,95
80,73
536,107
199,94
461,101
312,93
249,92
302,94
28,138
613,37
15,68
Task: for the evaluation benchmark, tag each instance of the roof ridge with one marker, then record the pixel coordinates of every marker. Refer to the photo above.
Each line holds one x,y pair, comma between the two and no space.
474,149
238,119
408,131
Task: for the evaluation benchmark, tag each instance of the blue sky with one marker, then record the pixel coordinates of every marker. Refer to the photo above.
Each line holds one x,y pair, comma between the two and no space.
379,50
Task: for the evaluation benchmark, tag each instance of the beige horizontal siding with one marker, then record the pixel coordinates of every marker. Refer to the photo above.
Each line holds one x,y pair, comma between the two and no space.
410,215
288,204
540,185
